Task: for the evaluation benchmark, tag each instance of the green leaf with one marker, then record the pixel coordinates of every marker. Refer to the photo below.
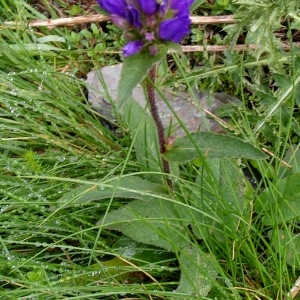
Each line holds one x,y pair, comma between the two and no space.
220,200
280,202
196,4
152,221
35,47
135,69
198,272
144,138
51,38
211,145
124,187
37,276
288,245
141,253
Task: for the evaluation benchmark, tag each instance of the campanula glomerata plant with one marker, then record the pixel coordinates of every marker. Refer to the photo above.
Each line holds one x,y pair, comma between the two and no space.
150,27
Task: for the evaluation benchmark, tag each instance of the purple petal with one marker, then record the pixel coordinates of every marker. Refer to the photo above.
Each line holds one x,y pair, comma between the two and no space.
174,29
149,7
163,6
119,21
133,16
132,48
182,7
116,7
181,4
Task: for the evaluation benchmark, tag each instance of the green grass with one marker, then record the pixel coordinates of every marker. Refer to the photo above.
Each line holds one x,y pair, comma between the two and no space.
68,224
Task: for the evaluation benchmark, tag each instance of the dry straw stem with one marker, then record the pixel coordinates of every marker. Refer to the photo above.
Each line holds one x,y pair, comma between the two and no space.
294,290
50,23
221,48
273,155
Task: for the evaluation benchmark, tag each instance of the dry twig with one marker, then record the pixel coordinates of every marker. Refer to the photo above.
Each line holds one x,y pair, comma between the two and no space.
276,157
213,20
294,290
50,23
221,48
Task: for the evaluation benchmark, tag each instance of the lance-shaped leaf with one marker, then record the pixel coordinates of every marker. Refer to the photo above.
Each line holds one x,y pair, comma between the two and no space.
287,244
153,222
280,203
124,187
135,69
198,272
211,145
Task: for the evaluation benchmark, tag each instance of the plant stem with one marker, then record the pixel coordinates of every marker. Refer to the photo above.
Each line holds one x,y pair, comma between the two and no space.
157,121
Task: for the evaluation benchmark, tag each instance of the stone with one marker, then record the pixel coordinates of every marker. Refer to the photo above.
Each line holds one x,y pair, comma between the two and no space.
193,110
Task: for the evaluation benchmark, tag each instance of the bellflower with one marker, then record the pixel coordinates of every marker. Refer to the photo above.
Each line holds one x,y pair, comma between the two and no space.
148,23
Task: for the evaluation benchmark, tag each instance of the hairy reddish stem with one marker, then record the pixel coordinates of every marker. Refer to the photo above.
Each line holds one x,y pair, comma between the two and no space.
157,121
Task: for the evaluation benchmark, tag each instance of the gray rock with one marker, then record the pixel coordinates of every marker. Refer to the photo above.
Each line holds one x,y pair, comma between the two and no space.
102,88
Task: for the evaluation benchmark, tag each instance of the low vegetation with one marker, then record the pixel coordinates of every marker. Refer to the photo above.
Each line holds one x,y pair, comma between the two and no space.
85,211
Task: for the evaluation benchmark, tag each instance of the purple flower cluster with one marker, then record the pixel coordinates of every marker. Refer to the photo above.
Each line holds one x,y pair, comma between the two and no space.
147,23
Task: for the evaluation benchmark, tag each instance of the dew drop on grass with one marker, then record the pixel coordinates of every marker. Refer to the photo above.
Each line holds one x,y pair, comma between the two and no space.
101,187
228,282
14,92
73,158
61,158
